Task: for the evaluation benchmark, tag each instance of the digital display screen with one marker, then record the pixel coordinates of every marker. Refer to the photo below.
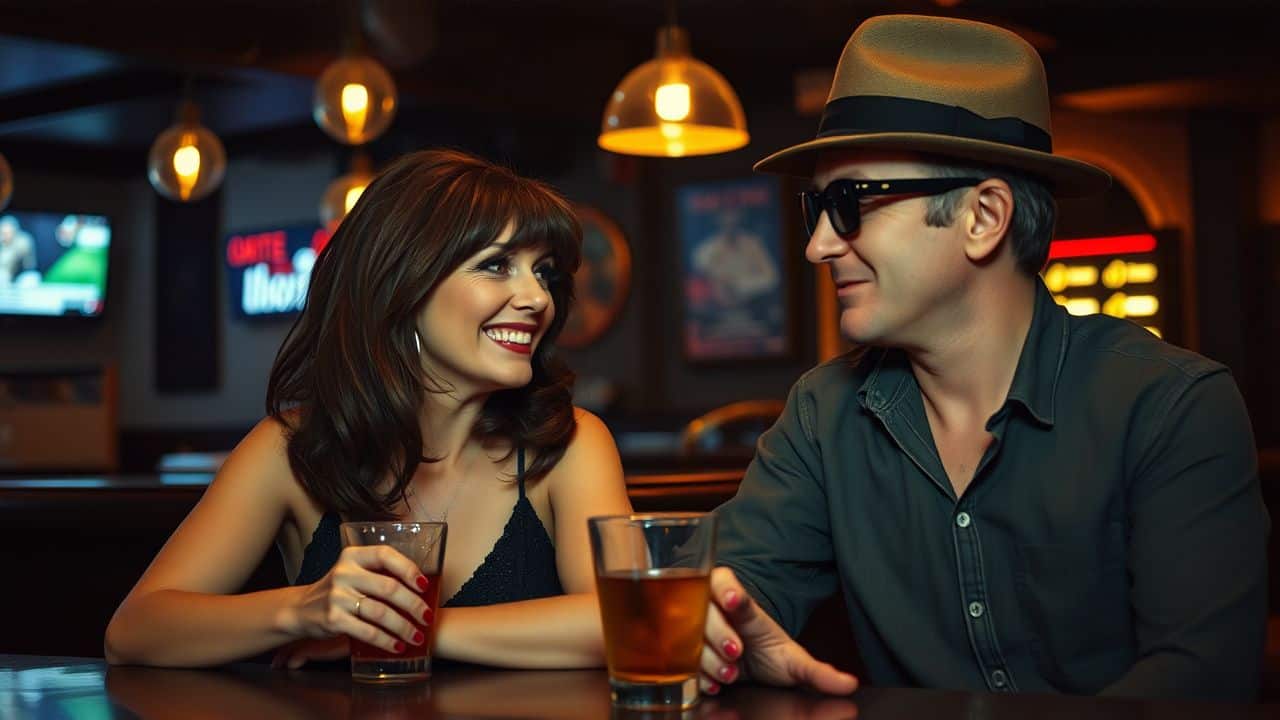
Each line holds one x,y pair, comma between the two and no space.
53,264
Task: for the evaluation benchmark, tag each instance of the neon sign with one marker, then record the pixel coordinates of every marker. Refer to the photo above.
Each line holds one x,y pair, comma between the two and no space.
269,271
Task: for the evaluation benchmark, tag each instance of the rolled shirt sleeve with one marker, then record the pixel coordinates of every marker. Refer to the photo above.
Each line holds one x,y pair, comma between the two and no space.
775,533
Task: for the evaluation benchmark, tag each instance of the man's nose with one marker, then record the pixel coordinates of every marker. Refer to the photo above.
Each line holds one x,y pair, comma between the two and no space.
825,244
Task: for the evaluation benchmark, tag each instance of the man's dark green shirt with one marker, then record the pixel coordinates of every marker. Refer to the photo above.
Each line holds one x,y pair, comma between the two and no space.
1112,540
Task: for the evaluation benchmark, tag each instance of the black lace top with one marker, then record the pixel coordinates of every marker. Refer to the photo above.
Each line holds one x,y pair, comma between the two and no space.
521,565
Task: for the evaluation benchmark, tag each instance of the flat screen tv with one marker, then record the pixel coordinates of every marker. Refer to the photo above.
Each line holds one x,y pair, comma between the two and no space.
53,264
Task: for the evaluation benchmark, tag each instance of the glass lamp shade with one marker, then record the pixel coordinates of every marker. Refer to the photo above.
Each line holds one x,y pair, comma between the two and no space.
355,100
186,161
342,194
6,182
673,106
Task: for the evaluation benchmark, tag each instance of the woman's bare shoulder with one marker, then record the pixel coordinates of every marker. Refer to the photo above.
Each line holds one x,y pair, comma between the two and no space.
592,446
261,459
591,429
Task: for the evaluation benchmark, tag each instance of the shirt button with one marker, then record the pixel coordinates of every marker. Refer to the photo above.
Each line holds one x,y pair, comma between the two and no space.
999,679
976,609
963,520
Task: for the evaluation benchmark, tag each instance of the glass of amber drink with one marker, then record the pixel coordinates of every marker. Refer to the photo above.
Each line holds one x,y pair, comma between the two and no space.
423,543
653,581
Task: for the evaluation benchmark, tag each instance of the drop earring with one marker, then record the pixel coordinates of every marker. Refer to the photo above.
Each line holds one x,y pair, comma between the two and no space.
417,342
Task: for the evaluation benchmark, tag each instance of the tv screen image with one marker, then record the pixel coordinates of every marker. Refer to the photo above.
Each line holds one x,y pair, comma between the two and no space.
53,263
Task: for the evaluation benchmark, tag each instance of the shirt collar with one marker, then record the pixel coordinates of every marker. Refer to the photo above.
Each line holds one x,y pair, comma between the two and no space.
1035,382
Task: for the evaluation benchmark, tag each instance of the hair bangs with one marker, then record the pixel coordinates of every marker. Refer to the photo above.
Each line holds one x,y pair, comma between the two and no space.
543,220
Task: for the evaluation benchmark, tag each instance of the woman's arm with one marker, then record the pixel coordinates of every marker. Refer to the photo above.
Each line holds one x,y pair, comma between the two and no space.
181,612
555,632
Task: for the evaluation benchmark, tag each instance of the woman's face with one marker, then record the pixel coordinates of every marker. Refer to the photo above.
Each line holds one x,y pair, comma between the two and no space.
481,324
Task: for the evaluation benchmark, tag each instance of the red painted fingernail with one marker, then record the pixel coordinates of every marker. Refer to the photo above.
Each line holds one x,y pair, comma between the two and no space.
399,646
713,687
426,615
728,673
418,637
422,582
731,649
731,599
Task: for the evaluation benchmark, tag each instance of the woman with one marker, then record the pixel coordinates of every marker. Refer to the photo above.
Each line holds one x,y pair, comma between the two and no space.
418,383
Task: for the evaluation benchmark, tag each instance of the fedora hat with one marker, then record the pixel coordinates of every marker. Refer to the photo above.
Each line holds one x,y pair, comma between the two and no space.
942,86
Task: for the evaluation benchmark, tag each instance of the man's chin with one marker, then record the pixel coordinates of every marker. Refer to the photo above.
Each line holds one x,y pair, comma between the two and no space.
858,332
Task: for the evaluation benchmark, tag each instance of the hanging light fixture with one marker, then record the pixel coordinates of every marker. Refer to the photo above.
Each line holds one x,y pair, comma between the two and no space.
186,161
355,99
342,194
6,182
673,106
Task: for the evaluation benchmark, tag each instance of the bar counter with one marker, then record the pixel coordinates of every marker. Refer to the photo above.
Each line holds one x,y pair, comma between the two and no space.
39,687
79,542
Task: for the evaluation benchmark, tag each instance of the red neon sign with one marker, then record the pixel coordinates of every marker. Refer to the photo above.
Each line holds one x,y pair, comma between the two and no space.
1116,245
265,247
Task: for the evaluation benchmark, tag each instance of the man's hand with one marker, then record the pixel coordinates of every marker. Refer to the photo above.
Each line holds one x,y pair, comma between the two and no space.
741,637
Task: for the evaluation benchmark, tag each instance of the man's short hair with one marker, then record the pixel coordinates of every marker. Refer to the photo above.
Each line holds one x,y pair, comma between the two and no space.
1034,209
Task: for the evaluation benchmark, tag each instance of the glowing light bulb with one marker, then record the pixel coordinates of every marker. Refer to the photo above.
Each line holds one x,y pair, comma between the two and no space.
1082,275
187,161
1055,278
1115,274
355,109
354,100
672,101
1142,272
1081,306
343,194
1115,305
352,196
1141,306
656,99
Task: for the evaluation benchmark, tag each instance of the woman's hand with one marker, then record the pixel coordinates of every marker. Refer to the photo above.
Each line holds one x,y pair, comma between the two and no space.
300,652
366,595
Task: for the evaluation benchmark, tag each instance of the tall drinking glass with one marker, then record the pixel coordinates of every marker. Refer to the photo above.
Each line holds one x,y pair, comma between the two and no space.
423,543
653,580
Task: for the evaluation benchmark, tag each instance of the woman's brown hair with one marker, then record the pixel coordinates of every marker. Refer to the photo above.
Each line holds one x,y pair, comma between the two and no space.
348,383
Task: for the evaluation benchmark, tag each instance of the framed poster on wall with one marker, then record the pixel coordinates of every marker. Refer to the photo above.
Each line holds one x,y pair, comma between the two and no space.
735,288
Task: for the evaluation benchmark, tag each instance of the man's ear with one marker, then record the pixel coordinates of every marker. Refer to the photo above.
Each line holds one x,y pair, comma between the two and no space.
989,212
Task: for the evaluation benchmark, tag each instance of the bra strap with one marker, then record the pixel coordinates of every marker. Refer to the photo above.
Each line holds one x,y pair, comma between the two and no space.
520,469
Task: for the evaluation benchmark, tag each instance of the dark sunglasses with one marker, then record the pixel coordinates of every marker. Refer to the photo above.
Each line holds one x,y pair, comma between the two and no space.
841,199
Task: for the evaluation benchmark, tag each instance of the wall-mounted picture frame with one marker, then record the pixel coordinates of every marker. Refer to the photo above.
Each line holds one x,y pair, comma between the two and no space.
602,281
736,281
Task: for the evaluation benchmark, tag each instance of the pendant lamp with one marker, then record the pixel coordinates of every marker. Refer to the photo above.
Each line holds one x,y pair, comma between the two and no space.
673,106
187,161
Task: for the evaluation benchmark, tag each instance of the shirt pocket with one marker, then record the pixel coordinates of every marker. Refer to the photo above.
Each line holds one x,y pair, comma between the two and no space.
1075,602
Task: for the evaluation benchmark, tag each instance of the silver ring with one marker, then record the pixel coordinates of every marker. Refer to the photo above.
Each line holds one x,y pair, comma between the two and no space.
356,611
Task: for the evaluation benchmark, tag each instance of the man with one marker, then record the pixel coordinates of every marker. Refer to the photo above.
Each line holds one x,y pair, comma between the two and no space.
1011,498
